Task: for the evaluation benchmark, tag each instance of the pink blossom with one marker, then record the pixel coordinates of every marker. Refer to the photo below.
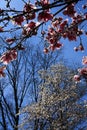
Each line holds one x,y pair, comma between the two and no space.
8,56
28,7
77,78
29,11
29,29
44,2
63,25
10,40
70,11
18,20
77,18
44,16
52,36
83,71
84,60
58,45
56,22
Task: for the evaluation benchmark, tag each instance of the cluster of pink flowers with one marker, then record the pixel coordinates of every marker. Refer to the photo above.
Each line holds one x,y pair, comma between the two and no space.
30,29
6,58
44,16
28,11
29,14
29,22
9,56
18,20
60,27
83,71
53,39
70,10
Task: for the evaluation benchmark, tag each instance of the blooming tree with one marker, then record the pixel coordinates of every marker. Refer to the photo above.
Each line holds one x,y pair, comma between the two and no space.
29,20
59,106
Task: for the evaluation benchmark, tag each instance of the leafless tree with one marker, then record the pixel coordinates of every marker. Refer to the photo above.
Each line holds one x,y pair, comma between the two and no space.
21,84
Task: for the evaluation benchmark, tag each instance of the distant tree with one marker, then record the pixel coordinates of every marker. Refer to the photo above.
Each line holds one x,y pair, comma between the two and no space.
58,106
16,85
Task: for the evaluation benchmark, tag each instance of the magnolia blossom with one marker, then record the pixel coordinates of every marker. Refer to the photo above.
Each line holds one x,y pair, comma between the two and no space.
83,71
56,22
44,2
58,45
63,25
77,18
70,11
10,40
28,7
18,20
29,11
8,56
84,60
44,16
52,36
77,78
30,28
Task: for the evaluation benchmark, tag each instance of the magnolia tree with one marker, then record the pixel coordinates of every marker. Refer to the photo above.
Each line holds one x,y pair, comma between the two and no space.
31,20
59,106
